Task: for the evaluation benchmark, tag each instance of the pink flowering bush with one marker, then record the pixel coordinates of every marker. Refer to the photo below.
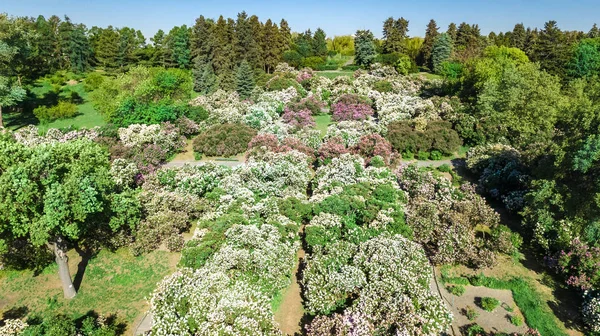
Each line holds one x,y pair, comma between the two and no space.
304,75
298,119
332,148
373,145
263,143
580,265
344,111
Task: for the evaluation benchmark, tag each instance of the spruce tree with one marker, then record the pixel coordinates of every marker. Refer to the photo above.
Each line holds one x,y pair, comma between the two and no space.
205,80
441,52
518,36
424,57
319,45
552,50
285,36
364,48
452,32
244,80
594,32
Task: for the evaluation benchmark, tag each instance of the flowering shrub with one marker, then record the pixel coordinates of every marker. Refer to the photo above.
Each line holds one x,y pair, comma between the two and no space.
502,175
263,143
298,119
30,135
590,310
224,140
443,218
332,148
580,265
124,173
351,130
187,126
351,107
311,103
304,74
373,145
260,115
12,327
231,293
389,280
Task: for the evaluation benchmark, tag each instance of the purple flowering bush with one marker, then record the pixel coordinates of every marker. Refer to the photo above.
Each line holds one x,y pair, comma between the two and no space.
351,107
298,119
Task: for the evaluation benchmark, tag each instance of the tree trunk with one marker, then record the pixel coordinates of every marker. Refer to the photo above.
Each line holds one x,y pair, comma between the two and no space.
1,122
60,252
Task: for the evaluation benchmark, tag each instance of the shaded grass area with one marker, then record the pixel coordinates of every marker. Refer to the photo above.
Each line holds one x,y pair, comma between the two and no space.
41,94
335,73
322,121
113,283
538,314
427,75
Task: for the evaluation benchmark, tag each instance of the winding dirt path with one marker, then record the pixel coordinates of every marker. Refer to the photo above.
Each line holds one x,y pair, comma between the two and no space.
290,312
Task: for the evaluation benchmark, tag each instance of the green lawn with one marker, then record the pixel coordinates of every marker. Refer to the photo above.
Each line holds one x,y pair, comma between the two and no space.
88,116
427,75
322,121
335,73
113,283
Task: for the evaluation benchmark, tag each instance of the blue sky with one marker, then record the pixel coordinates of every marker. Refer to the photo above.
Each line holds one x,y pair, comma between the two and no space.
335,17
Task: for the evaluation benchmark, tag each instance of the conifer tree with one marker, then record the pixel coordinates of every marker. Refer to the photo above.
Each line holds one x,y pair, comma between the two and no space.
552,50
518,36
319,45
441,52
205,80
594,32
452,31
244,80
364,48
424,57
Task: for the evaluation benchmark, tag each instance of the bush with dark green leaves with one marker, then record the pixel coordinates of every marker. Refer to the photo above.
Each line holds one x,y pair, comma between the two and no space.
224,140
438,136
383,86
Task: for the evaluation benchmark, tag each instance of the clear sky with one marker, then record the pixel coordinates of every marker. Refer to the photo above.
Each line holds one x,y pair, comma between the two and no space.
335,17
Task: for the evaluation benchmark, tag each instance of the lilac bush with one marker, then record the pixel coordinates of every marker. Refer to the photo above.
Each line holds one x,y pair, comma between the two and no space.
298,119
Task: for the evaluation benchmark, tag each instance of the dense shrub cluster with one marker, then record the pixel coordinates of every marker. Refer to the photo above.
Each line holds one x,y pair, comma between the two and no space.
224,140
408,137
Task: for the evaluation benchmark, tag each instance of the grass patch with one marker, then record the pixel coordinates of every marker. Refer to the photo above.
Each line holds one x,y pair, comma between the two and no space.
41,94
335,73
535,310
427,75
322,122
113,283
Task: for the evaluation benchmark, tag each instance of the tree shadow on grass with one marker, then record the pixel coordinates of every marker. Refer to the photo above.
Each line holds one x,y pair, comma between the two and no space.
86,255
14,313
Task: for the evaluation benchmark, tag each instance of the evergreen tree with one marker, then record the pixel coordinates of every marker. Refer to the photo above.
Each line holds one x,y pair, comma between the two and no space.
223,52
319,45
431,34
552,50
452,31
244,80
271,51
395,33
441,52
518,36
254,53
364,48
285,36
159,53
594,32
178,47
106,46
531,43
205,80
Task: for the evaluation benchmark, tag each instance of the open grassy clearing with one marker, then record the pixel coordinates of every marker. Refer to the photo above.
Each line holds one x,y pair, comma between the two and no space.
322,122
41,94
111,283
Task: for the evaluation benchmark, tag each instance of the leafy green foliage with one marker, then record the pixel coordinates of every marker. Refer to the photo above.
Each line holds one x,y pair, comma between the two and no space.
60,111
489,303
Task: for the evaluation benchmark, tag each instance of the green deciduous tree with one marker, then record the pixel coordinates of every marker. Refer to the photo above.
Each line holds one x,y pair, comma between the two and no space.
585,61
54,195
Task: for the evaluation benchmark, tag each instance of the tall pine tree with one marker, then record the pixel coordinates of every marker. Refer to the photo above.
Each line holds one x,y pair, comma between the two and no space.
431,34
244,80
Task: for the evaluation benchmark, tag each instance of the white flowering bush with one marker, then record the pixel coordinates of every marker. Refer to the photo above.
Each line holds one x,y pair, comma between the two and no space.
261,114
231,293
590,310
189,180
165,136
31,136
12,327
124,172
280,97
352,130
388,278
